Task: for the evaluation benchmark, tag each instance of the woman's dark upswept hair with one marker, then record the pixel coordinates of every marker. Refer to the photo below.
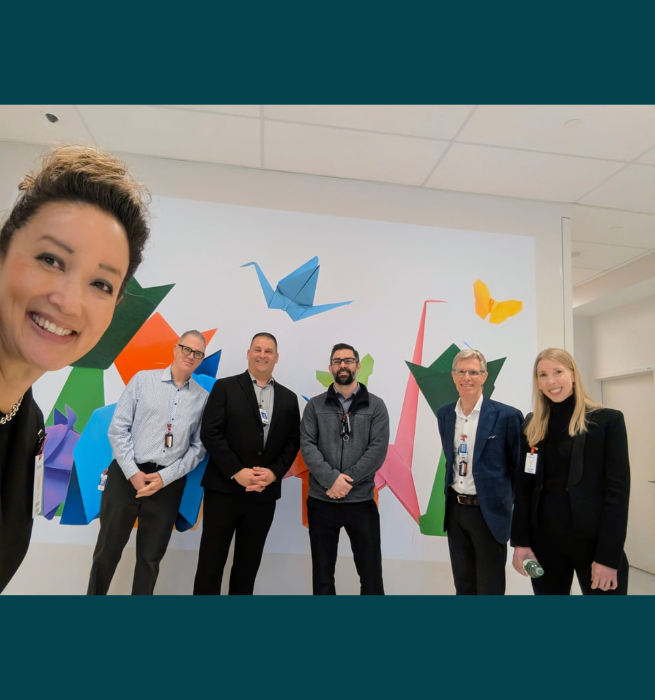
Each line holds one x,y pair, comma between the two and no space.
85,175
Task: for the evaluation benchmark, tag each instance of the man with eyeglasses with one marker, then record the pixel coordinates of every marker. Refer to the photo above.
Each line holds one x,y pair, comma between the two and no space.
481,440
155,439
344,438
250,428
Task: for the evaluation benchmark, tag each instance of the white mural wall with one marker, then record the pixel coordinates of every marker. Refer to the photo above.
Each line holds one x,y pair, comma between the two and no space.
387,271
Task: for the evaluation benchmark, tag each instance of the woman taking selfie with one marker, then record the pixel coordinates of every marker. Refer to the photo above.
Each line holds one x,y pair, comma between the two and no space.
68,247
572,491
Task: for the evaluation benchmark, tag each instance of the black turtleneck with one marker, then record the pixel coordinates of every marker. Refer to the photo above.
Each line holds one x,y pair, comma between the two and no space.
555,510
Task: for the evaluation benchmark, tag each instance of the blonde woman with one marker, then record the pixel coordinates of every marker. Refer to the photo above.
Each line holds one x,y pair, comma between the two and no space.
573,487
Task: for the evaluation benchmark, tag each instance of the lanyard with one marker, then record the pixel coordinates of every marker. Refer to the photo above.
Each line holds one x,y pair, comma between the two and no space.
345,427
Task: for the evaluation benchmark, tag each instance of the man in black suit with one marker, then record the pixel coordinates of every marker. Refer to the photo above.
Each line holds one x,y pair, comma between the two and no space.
481,440
251,429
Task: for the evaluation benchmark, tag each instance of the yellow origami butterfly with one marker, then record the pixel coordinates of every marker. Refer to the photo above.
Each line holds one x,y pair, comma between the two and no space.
498,311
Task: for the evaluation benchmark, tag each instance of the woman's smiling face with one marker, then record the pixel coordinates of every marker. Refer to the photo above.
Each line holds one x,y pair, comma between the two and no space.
554,380
59,283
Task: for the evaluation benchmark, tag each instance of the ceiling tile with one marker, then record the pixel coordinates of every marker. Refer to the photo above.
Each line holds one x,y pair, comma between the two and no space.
632,189
509,173
239,110
602,257
612,226
17,159
582,274
648,157
621,132
175,133
349,154
28,123
433,121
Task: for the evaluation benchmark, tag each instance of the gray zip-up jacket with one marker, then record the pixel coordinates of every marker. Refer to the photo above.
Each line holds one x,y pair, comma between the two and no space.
327,455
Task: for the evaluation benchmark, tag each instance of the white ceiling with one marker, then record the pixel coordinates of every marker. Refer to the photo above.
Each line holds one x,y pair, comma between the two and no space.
601,158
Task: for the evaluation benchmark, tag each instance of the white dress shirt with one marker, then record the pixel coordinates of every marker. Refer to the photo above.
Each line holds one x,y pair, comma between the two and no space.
465,425
150,403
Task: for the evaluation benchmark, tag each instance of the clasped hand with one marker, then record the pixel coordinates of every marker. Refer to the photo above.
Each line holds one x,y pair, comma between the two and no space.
255,479
146,484
341,487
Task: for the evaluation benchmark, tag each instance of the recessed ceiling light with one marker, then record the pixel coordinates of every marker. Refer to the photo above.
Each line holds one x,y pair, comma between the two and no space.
52,117
576,254
572,123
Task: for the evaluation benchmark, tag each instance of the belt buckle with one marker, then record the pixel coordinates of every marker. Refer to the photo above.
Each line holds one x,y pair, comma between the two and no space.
462,499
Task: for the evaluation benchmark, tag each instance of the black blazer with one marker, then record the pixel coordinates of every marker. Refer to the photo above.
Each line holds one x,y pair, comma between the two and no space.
17,488
598,485
233,434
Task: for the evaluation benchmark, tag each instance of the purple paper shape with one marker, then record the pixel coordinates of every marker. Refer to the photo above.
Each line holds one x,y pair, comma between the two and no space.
58,460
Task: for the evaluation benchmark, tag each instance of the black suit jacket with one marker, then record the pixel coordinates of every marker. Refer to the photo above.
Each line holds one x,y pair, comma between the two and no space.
598,485
17,488
233,434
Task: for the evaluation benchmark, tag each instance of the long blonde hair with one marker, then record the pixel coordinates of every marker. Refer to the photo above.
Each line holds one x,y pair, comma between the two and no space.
535,430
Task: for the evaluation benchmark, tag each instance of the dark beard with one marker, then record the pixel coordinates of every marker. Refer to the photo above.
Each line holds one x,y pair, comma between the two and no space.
344,380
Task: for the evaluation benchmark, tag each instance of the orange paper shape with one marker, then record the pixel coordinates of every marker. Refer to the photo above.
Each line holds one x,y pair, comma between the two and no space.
150,348
498,311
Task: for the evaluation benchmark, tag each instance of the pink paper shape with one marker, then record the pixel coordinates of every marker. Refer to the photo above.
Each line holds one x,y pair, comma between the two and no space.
396,472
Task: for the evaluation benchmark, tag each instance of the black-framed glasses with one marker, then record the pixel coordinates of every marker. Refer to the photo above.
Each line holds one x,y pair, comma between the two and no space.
197,354
348,361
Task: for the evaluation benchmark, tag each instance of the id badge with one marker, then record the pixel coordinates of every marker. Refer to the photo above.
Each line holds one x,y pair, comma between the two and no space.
37,499
264,416
103,481
168,438
530,464
463,468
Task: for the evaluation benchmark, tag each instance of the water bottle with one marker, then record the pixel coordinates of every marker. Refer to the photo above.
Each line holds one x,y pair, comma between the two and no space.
533,568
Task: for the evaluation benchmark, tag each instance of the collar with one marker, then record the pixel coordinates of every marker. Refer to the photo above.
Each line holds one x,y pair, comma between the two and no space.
360,398
563,408
341,397
477,407
254,379
167,376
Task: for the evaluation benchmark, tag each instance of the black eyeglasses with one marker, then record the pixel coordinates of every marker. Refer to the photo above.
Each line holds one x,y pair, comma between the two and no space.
198,355
346,360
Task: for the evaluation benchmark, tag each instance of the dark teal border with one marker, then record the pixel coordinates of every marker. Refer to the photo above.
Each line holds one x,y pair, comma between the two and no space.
326,53
395,647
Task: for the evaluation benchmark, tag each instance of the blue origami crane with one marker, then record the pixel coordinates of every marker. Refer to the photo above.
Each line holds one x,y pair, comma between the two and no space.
295,293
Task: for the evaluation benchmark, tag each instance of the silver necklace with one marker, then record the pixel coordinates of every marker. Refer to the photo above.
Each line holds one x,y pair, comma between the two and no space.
13,412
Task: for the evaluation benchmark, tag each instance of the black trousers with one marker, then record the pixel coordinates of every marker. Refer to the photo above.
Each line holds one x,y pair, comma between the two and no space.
561,555
119,508
226,515
477,559
362,524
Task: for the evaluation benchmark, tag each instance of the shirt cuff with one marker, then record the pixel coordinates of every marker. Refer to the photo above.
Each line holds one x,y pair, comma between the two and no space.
129,469
166,476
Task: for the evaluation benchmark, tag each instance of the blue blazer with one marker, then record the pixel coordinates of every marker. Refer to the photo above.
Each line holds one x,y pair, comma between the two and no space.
496,459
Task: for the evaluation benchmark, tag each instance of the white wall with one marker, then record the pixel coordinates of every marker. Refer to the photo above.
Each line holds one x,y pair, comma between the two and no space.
623,339
583,354
362,200
335,197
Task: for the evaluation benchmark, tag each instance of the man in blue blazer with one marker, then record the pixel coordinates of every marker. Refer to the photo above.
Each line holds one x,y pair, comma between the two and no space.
481,439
